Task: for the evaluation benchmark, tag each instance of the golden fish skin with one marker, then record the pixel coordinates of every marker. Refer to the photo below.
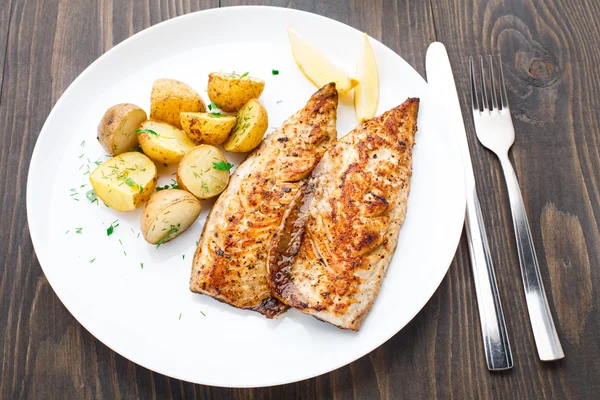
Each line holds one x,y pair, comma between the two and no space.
230,261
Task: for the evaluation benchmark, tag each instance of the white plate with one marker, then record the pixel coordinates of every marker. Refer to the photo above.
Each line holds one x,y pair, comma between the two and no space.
149,315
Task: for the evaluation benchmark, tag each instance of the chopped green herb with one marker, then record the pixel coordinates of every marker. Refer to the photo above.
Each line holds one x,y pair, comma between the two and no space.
212,106
92,260
78,230
124,252
110,230
202,313
279,101
131,183
91,195
83,143
69,230
139,148
180,315
171,231
120,242
148,131
275,72
245,74
81,155
222,166
183,256
204,186
142,265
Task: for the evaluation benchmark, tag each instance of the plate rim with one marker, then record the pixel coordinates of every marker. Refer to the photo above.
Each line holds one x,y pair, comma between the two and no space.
34,229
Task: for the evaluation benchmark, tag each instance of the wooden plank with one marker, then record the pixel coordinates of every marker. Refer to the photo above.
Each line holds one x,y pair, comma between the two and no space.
552,70
45,352
5,9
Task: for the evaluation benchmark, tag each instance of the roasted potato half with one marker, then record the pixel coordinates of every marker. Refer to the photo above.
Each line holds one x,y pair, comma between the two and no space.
251,125
170,97
231,91
209,128
204,172
116,130
167,214
163,142
126,181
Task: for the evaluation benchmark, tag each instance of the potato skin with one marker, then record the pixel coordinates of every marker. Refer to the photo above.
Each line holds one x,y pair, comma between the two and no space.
171,208
169,97
252,123
206,127
197,175
109,178
113,124
230,92
168,147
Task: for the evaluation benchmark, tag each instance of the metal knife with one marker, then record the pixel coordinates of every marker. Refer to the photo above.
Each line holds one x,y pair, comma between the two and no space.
498,355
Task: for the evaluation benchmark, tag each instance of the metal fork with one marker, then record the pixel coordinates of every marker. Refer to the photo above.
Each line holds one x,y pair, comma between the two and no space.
495,131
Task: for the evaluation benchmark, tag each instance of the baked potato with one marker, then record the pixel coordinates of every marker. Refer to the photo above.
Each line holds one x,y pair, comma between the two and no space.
126,181
210,128
163,142
251,125
167,214
231,91
116,130
170,97
203,171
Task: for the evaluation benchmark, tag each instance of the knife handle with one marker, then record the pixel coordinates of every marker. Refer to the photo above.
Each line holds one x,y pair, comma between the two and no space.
498,355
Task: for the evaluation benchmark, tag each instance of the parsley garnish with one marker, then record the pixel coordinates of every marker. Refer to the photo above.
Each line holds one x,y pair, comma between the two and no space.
91,195
171,231
172,185
111,229
275,72
131,183
212,106
139,148
222,166
149,131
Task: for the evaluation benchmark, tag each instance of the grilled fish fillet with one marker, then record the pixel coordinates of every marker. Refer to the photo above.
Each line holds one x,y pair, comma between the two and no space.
230,261
331,252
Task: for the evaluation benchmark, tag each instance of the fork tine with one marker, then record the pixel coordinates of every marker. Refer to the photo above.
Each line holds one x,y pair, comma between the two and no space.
494,93
484,98
474,98
503,96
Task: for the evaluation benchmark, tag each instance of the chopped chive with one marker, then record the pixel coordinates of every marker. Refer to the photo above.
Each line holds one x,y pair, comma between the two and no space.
91,195
275,72
183,256
167,236
78,230
92,260
142,265
202,313
180,315
83,143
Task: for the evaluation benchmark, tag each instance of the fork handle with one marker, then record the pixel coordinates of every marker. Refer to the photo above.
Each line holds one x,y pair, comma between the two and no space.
542,324
498,354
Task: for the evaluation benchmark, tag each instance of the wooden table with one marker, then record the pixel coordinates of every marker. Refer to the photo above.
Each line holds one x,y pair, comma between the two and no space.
551,53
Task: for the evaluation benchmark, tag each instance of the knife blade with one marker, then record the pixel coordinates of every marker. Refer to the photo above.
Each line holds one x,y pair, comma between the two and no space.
496,344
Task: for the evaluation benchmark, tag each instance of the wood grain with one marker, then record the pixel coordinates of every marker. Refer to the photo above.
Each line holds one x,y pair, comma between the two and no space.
552,62
551,92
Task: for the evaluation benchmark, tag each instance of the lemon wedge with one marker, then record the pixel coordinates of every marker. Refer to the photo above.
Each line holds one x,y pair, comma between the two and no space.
366,94
316,67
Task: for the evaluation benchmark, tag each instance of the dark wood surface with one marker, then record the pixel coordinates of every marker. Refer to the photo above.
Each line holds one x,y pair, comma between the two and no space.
551,53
